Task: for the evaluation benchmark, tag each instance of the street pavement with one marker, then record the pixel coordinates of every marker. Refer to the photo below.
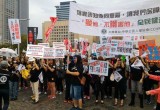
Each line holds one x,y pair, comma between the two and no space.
24,102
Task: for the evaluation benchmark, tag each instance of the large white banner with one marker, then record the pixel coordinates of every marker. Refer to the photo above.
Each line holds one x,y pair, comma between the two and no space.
141,18
36,51
98,67
120,47
14,28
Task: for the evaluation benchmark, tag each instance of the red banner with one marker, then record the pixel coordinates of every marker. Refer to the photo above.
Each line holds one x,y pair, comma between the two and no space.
47,34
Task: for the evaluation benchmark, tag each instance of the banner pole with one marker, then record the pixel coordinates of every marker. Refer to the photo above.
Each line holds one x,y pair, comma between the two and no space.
68,55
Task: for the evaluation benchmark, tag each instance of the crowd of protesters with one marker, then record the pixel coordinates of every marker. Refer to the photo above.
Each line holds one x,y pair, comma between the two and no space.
71,77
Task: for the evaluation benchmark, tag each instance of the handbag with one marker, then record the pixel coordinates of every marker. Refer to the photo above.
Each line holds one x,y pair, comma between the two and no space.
82,80
25,73
112,77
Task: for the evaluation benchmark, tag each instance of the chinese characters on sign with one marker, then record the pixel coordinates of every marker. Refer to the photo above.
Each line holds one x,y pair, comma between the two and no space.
120,47
132,20
98,67
14,28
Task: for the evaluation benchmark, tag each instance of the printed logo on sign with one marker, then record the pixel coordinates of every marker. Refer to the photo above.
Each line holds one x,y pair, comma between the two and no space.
3,79
103,31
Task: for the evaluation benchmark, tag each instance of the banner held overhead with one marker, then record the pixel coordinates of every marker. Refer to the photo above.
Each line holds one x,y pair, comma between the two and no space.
134,19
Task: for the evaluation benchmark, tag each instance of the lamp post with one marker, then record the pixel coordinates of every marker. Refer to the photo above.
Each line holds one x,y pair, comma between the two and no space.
18,50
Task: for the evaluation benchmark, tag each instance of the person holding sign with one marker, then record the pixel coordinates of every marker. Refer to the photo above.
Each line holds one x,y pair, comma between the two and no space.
119,75
76,88
136,75
51,73
99,83
34,79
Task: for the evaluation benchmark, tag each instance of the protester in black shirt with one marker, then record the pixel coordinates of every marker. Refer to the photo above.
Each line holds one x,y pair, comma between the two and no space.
136,75
60,76
76,87
68,78
51,74
14,81
148,83
4,85
119,84
34,73
43,70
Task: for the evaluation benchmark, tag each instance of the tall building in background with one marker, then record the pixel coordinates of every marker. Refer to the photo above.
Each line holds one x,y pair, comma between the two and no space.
62,11
23,14
12,9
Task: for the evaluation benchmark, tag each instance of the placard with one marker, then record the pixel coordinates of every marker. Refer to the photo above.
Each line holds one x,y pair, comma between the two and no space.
98,67
121,47
143,45
35,51
104,50
154,55
44,44
48,53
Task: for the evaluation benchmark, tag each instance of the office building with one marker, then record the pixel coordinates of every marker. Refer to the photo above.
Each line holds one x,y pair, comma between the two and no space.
12,9
23,15
62,11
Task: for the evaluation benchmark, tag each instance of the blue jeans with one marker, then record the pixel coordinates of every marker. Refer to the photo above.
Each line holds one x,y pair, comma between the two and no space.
13,89
76,92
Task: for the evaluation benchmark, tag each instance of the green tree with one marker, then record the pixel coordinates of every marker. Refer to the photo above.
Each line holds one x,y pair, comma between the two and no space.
23,44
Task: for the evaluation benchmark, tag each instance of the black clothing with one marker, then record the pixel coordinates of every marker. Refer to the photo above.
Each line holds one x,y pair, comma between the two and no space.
4,89
4,79
136,73
51,75
75,79
14,77
34,75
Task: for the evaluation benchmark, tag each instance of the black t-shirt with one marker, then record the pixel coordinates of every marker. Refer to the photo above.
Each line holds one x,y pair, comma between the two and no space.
4,79
121,71
34,75
75,79
14,77
51,75
43,73
136,73
153,69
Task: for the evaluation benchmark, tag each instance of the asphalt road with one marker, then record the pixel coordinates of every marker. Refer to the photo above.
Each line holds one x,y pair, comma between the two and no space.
24,102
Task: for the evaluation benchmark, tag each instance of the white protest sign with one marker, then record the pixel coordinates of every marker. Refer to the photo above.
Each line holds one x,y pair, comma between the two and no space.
35,51
103,50
117,76
119,19
120,47
94,47
44,44
59,52
59,49
137,63
105,39
14,28
98,67
48,53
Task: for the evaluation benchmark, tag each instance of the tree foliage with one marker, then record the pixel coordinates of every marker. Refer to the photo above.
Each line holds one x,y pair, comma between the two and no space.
23,44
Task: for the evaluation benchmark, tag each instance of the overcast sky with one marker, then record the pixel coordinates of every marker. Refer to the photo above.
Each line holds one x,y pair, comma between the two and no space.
42,10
